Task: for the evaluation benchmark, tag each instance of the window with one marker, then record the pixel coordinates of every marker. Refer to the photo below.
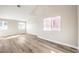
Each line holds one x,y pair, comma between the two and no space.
47,24
3,25
21,25
52,23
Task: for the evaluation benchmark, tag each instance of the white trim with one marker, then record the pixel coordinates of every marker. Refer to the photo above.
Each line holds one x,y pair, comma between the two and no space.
59,42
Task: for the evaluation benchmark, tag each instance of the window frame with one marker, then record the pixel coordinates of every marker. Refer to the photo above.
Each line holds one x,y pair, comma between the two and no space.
20,24
52,23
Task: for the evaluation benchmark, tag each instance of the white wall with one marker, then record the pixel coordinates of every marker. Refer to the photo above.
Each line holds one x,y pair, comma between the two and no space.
68,33
12,28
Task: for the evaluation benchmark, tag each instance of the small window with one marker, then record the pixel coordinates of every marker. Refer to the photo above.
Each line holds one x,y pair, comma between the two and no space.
52,23
21,25
3,25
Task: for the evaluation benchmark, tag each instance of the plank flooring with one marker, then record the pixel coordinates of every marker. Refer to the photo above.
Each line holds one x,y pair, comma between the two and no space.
27,43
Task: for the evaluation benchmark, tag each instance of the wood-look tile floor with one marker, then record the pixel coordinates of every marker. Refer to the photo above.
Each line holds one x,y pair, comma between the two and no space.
26,43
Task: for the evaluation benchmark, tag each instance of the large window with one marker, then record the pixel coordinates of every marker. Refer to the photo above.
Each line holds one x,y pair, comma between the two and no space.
21,25
52,23
3,25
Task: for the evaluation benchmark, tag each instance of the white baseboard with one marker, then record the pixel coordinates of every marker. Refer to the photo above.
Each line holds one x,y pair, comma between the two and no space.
59,42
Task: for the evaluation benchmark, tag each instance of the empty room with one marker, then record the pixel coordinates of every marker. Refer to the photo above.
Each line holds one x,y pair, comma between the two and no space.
39,28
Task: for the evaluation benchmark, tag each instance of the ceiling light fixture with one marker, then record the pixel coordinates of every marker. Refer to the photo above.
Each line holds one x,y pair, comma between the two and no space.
18,6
